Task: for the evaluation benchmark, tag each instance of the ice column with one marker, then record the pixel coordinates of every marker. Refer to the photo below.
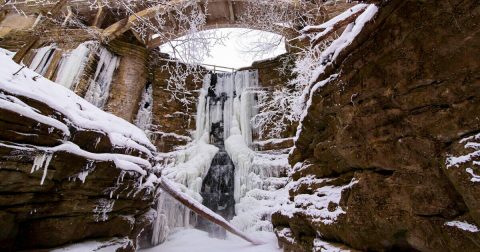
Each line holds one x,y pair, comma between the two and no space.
144,115
73,64
99,88
42,59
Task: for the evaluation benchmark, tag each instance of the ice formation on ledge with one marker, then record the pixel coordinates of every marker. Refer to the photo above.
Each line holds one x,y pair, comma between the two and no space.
99,87
20,85
73,63
42,59
42,161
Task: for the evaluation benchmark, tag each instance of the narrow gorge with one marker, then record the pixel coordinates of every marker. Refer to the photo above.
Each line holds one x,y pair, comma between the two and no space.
353,126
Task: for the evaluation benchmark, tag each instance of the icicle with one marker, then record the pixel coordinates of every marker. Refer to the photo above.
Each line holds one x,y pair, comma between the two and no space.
201,119
99,88
170,215
42,161
144,115
42,59
101,210
73,64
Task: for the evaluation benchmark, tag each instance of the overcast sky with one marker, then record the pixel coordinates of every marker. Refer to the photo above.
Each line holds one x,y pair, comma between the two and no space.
239,49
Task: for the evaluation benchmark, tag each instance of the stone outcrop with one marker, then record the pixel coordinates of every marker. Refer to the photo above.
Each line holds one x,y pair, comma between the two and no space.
379,136
60,188
173,112
275,74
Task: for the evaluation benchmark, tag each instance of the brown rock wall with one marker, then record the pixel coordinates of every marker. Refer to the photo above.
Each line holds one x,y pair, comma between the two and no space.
408,88
79,199
129,80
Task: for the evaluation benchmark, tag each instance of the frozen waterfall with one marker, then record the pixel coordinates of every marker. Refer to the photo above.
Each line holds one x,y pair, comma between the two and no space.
219,167
42,59
73,63
99,88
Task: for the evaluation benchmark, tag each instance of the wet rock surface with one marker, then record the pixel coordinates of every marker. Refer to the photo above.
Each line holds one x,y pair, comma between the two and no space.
406,95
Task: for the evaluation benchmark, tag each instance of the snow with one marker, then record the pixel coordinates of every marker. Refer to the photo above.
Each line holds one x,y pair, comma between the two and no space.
286,233
78,112
472,146
475,177
12,103
97,246
328,26
125,162
316,205
330,54
7,53
195,240
323,246
463,225
309,103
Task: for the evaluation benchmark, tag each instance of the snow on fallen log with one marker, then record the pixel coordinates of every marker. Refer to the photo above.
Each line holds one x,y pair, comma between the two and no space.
203,211
18,81
328,28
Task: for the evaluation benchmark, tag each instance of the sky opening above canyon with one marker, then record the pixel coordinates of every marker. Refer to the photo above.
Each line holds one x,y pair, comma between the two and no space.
226,47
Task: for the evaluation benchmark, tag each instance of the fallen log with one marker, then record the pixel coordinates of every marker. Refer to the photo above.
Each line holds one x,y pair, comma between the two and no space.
203,211
326,29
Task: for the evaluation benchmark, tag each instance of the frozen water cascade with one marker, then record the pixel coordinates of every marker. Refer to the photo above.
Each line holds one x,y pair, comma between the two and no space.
217,188
220,168
73,63
99,88
42,59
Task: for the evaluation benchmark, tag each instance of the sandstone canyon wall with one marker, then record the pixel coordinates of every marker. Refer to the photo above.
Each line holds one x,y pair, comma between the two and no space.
381,138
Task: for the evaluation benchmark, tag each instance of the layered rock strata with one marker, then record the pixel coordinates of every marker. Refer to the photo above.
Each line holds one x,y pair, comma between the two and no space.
374,165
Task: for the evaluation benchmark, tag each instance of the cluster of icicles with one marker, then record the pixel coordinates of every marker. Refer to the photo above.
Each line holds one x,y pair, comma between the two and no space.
72,66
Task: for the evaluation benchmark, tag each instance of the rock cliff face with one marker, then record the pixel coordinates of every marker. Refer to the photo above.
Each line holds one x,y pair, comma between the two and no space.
379,136
64,181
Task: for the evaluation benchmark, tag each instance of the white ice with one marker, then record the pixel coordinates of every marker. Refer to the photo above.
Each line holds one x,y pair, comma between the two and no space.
73,64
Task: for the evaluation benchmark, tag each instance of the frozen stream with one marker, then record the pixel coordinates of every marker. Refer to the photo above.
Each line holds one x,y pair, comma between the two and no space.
199,241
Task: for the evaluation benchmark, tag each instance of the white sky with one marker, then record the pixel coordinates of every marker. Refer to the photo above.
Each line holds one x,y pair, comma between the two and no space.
239,48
